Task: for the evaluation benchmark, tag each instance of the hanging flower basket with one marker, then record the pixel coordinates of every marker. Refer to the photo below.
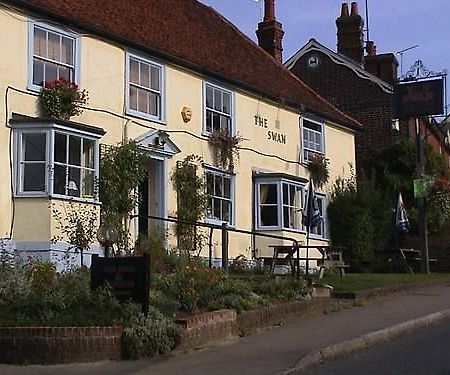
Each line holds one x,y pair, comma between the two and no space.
61,99
225,148
318,169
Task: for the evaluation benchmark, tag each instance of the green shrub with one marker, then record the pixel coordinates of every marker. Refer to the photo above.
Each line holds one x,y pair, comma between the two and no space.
150,336
35,295
286,289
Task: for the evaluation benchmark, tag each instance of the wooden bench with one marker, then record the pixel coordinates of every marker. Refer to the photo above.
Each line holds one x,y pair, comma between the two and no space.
412,257
332,259
288,250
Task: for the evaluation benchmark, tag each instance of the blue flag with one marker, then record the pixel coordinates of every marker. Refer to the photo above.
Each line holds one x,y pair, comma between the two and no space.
311,210
401,220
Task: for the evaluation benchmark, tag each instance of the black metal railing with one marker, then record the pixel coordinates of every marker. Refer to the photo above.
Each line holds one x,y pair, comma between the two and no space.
225,229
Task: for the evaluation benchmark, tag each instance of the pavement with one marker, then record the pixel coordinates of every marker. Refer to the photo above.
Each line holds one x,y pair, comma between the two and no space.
288,348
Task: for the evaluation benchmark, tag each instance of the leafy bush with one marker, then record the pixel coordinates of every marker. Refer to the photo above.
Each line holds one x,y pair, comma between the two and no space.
35,295
150,336
360,219
286,289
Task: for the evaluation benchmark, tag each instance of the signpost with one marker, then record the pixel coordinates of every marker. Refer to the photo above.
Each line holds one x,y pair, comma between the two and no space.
129,277
416,98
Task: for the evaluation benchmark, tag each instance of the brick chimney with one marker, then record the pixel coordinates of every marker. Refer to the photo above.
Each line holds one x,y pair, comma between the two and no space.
384,66
350,37
270,32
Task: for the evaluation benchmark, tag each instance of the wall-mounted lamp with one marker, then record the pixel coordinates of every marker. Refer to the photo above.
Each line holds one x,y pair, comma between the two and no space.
161,139
186,114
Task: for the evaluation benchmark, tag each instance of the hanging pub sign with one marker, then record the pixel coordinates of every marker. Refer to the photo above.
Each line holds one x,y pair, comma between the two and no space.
419,98
128,277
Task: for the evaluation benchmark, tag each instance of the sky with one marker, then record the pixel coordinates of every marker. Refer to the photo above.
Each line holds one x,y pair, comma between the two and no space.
394,25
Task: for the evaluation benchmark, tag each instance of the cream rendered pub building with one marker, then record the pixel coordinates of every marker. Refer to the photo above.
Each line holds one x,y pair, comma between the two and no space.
138,95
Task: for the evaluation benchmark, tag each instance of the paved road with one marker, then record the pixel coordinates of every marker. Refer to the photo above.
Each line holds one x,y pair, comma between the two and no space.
275,350
426,351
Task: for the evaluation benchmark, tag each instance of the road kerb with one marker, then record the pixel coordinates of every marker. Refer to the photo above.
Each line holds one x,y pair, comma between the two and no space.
363,342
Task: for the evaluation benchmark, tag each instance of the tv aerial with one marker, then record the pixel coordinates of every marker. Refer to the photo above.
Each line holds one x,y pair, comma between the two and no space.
400,53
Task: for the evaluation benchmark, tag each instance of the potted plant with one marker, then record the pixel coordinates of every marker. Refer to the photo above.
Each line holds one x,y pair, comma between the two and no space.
318,169
62,99
225,148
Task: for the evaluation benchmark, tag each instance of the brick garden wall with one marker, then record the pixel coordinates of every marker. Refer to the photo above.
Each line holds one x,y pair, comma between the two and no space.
50,345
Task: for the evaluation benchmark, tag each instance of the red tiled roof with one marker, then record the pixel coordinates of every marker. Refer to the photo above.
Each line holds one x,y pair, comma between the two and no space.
191,34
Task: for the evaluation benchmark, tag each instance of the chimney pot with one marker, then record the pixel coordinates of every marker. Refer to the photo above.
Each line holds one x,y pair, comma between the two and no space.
354,11
344,10
371,48
269,10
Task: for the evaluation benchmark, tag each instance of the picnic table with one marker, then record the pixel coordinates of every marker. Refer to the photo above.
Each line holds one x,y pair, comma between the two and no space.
330,258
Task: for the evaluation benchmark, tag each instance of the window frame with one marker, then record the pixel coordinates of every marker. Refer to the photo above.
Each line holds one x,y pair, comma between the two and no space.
280,202
62,32
224,174
206,109
279,181
306,150
161,117
50,132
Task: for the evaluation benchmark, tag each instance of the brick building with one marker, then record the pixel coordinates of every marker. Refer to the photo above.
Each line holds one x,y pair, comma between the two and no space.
360,84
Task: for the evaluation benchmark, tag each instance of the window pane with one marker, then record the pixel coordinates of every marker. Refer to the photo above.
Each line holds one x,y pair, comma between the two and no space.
285,194
133,98
67,51
225,211
208,121
217,100
216,122
268,193
145,75
155,78
50,71
88,153
73,188
209,207
88,184
38,72
64,72
209,184
34,146
286,217
134,71
226,187
209,97
34,177
226,105
74,150
218,191
54,46
312,125
291,194
269,216
153,103
142,101
40,42
224,123
60,149
217,206
59,183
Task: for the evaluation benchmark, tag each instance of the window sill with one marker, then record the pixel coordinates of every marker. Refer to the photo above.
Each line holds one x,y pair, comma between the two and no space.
143,116
59,197
218,222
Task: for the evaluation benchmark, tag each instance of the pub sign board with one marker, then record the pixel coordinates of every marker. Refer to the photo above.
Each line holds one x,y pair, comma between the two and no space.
129,277
419,98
